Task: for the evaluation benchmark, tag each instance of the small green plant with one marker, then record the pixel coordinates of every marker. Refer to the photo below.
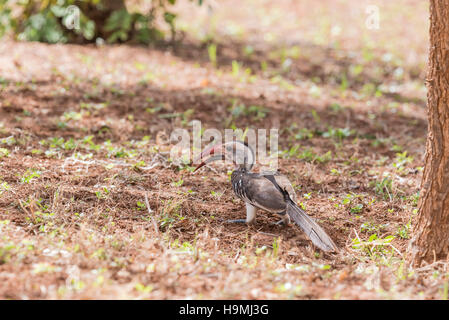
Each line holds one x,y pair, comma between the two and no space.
375,247
315,116
177,183
371,227
4,153
212,52
30,175
335,172
141,206
102,194
282,82
445,291
338,133
414,198
276,242
307,155
401,161
235,68
344,83
304,134
186,115
384,188
216,194
9,141
404,231
357,208
239,109
170,214
348,202
4,186
139,165
324,157
72,115
292,152
258,112
143,289
310,156
248,50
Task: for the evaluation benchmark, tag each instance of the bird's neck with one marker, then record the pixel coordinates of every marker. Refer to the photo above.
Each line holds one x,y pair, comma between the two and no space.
243,169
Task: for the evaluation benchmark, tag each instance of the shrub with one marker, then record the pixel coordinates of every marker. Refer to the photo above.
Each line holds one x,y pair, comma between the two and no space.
81,21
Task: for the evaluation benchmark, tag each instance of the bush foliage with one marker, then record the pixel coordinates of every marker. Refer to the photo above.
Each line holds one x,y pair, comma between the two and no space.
80,21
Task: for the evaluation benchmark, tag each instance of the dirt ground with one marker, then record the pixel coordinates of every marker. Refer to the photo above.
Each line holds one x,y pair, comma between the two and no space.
83,146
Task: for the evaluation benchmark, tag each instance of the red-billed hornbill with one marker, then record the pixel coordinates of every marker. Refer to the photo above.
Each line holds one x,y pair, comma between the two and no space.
271,192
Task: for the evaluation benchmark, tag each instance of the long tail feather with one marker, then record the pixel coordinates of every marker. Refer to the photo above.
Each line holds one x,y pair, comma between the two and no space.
318,236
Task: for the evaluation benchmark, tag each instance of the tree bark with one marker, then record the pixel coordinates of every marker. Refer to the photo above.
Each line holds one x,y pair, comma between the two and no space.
431,233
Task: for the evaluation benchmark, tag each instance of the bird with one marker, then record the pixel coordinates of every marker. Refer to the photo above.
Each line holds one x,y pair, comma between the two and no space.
269,191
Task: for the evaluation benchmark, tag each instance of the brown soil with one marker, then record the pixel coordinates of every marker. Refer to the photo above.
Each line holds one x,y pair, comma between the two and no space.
73,218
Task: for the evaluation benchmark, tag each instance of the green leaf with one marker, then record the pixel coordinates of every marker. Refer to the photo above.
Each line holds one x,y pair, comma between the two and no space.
169,17
372,237
119,20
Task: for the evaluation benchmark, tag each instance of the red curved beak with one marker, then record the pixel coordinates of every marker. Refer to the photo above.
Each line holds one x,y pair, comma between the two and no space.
208,154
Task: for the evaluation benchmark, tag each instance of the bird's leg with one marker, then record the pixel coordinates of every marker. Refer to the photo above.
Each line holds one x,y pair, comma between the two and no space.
250,215
285,221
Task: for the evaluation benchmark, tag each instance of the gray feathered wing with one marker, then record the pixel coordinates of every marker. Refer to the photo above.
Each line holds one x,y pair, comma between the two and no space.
274,193
318,236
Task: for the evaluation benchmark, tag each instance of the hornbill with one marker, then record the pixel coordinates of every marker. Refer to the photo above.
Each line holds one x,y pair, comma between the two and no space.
271,191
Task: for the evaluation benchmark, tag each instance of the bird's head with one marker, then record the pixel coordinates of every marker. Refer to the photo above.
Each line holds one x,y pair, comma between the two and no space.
240,154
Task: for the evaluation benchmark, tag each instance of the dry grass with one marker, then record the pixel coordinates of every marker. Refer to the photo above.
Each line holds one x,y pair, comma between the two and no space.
91,205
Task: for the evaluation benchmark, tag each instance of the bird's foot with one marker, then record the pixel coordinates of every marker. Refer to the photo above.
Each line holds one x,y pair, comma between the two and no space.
236,221
281,223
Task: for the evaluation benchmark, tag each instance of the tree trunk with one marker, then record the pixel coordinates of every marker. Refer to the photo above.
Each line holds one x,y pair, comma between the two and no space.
431,233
